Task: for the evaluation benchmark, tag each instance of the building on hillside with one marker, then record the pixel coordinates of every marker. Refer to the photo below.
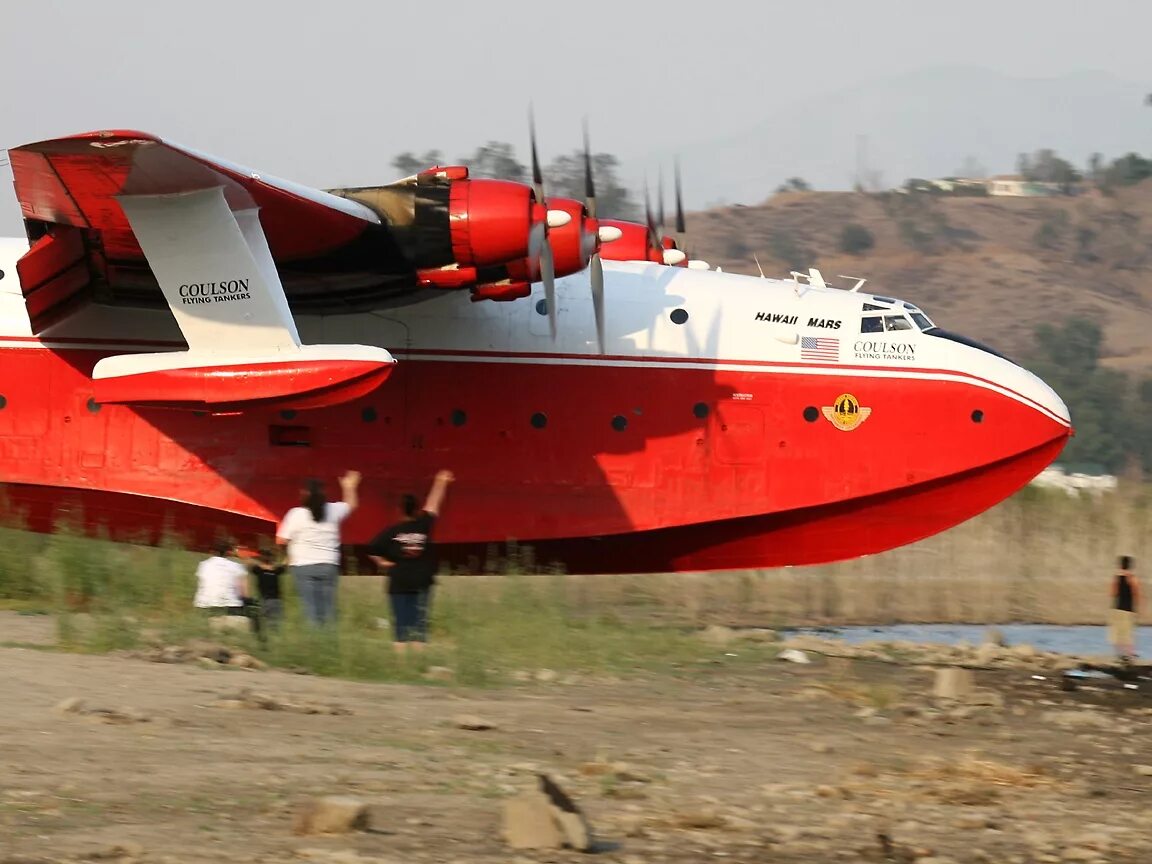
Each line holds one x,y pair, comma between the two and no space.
1016,186
945,186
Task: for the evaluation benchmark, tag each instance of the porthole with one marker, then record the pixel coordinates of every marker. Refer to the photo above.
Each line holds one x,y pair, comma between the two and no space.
93,406
1,274
700,410
977,416
619,422
679,316
539,421
368,414
3,402
541,307
459,418
811,414
287,414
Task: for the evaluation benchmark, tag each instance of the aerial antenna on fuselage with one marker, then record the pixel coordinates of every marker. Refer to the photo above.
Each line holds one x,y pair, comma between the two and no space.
860,280
758,267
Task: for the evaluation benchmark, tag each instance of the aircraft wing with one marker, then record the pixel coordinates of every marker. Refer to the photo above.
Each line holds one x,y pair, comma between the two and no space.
125,217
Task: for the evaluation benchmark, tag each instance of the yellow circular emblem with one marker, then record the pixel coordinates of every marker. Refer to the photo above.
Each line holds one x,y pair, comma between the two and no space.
846,413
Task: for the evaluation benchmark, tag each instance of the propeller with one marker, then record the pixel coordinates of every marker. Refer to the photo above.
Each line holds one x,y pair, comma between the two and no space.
595,266
539,251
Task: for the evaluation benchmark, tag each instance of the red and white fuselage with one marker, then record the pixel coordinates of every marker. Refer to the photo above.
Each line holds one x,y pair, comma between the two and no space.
731,422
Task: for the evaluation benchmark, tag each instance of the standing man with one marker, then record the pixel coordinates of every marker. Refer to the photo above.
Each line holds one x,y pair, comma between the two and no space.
1125,604
406,553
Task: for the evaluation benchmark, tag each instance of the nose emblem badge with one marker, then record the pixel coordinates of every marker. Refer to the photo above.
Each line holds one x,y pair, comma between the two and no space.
846,413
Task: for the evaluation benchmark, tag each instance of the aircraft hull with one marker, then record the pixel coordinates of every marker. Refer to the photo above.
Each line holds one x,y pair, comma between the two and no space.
626,464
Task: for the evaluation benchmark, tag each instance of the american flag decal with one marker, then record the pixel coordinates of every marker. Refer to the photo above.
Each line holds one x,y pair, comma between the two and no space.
820,348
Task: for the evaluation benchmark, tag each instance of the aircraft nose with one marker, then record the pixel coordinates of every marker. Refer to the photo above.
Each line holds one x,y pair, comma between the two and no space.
1040,395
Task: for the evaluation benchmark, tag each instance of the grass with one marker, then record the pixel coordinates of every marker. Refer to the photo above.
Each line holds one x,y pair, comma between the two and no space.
1041,556
107,596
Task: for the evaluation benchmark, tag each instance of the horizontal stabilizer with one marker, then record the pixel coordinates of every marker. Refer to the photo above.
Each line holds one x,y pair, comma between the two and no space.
313,376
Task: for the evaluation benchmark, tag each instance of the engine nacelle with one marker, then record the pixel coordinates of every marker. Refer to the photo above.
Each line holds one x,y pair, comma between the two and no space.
490,221
632,245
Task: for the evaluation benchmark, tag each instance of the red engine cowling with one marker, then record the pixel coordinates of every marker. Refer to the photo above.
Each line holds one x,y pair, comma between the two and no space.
632,245
491,220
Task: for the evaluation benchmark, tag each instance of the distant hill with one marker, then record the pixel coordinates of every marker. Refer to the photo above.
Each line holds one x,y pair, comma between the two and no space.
919,124
991,268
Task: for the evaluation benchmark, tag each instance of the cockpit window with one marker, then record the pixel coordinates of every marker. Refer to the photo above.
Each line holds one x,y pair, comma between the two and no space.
872,307
896,322
880,299
872,324
922,321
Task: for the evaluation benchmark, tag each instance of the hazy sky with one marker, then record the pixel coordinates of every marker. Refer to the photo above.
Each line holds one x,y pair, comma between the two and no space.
326,93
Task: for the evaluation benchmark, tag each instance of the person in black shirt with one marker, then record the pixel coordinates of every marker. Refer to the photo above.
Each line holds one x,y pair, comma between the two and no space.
1125,604
267,573
406,553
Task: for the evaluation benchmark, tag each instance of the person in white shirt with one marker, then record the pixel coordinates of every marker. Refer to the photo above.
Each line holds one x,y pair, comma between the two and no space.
312,534
222,586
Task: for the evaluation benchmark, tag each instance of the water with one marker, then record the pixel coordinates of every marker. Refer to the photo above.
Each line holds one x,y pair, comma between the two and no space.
1082,639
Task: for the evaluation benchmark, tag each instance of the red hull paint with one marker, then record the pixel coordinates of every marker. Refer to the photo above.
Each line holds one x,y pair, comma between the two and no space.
753,483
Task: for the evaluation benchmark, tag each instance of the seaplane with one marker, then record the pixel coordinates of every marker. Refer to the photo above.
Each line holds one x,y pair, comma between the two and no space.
184,340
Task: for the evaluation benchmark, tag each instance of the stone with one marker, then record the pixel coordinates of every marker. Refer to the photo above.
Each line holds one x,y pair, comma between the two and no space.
1143,770
574,827
987,653
332,814
718,634
229,624
529,823
246,661
75,705
793,655
546,676
473,723
439,673
953,683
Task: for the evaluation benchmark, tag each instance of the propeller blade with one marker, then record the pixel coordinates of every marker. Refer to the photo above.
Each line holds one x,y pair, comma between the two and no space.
589,186
653,238
681,230
548,277
597,277
537,174
660,199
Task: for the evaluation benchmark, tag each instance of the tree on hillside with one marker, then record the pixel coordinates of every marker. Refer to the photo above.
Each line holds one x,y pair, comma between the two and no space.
564,177
1068,358
794,184
1127,171
855,239
408,163
1044,166
496,160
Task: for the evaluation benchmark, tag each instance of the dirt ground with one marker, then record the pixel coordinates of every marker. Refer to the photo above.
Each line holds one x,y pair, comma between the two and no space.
837,761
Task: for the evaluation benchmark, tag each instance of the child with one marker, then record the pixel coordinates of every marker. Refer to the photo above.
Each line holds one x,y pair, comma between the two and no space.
267,574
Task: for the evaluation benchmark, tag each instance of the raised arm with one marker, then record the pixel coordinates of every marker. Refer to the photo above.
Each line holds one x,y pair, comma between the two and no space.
349,486
436,495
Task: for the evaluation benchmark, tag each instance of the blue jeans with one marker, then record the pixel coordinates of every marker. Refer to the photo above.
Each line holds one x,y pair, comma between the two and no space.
410,616
316,585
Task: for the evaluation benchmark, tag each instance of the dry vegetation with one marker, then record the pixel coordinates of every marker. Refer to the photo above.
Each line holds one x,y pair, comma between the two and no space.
993,268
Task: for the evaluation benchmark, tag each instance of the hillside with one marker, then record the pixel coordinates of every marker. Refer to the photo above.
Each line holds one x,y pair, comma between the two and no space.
991,268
